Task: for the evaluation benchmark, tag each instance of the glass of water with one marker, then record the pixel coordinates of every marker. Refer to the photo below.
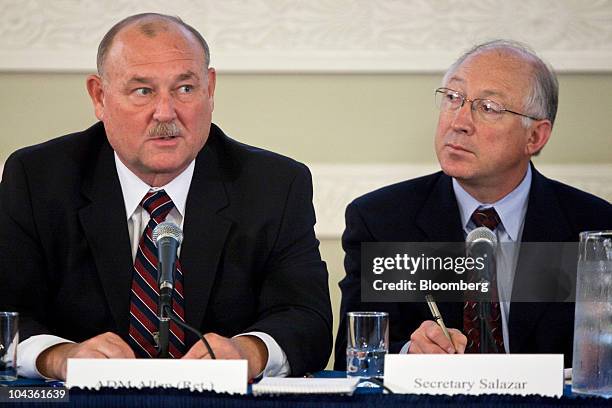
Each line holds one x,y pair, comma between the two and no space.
367,344
592,364
9,338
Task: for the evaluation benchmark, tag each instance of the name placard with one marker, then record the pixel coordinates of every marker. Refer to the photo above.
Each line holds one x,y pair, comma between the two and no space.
475,374
197,375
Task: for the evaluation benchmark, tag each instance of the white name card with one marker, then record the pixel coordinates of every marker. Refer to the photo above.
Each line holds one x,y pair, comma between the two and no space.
475,374
197,375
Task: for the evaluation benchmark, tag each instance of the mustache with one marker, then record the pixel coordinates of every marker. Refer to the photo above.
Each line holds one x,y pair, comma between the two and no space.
164,129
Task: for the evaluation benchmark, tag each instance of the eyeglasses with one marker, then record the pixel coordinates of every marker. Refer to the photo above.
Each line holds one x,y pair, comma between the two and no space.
450,100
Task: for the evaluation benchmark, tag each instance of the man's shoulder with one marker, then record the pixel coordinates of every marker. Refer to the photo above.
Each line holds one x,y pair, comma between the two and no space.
564,211
579,204
408,194
250,159
63,150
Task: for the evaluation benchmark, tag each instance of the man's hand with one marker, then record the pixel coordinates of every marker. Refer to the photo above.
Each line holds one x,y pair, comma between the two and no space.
53,361
430,339
250,348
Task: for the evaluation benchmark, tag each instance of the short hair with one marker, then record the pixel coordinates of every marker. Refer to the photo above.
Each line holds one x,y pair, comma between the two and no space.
149,29
542,99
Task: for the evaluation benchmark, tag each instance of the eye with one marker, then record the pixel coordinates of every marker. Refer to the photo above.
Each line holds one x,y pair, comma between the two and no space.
453,97
185,89
489,107
447,99
143,91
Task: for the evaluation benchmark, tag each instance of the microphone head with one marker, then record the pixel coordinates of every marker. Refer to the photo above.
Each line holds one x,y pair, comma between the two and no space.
481,234
167,229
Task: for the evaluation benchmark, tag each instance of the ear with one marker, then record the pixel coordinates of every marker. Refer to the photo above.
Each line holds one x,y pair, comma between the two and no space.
212,82
538,136
96,93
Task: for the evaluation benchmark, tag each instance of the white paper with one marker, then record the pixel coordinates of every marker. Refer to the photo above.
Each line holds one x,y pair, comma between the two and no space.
475,374
270,385
200,375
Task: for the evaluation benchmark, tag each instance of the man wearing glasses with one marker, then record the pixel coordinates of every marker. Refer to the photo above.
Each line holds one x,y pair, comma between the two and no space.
497,109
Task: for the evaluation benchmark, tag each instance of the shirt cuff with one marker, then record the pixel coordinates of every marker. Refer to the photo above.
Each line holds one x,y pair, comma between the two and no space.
29,350
277,365
405,348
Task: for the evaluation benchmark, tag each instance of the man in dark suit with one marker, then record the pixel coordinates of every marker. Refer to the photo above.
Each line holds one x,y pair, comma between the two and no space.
497,107
74,224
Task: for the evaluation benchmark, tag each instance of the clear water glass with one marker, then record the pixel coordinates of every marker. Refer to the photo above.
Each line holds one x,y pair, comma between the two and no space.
367,344
9,338
592,358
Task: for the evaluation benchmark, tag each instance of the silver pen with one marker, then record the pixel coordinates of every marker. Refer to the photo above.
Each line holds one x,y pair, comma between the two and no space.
438,317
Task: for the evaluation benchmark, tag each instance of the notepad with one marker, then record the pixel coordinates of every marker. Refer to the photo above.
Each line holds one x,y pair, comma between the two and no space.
271,385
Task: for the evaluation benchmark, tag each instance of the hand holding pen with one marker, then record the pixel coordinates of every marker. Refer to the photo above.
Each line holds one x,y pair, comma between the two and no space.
435,312
432,337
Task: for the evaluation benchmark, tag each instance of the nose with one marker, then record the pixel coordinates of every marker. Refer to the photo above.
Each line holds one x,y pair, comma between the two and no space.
164,109
463,122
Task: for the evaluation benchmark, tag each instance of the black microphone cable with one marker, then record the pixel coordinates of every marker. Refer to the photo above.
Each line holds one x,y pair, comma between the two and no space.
172,316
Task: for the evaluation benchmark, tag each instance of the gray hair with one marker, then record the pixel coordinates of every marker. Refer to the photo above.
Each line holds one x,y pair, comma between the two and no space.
149,26
543,96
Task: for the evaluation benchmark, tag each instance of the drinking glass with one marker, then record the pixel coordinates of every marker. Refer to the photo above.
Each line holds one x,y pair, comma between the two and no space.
592,358
9,338
367,344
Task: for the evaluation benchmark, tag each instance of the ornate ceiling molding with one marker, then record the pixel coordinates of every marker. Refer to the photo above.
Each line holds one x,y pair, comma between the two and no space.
380,36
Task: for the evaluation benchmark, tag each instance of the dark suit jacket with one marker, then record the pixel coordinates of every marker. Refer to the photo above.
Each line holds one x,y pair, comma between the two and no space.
425,210
250,257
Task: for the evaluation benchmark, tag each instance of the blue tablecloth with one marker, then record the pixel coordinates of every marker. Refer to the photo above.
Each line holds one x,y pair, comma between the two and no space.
363,398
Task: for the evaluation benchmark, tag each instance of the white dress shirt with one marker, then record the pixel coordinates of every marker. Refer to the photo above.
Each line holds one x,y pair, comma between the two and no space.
511,210
134,189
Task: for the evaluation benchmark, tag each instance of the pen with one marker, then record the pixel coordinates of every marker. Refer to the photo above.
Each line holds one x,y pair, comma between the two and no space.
437,316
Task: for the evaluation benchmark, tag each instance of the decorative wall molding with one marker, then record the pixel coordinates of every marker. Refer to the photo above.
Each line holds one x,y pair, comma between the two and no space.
336,185
383,36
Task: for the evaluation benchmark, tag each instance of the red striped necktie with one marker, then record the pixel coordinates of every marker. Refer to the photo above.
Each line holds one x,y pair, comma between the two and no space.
471,320
144,319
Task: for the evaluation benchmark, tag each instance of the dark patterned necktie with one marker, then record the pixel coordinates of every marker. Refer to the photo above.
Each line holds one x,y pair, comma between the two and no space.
144,320
471,320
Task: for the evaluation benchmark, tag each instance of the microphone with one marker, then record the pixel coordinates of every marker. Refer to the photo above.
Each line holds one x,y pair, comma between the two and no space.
481,242
167,236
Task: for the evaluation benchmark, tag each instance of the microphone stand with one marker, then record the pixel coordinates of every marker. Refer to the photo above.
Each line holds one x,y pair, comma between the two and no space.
166,314
166,267
167,237
165,302
483,313
172,316
482,242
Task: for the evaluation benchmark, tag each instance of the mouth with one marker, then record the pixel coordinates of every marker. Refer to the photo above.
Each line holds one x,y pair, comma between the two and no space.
164,141
457,147
164,137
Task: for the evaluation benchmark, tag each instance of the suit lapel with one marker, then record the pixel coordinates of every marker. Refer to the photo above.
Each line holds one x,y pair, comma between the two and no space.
440,221
105,228
205,229
544,222
439,217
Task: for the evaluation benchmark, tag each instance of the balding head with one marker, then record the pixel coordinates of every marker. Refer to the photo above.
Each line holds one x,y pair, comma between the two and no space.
543,97
150,25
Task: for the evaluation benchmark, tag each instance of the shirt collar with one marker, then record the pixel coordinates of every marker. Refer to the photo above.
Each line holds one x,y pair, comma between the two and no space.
134,189
511,208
